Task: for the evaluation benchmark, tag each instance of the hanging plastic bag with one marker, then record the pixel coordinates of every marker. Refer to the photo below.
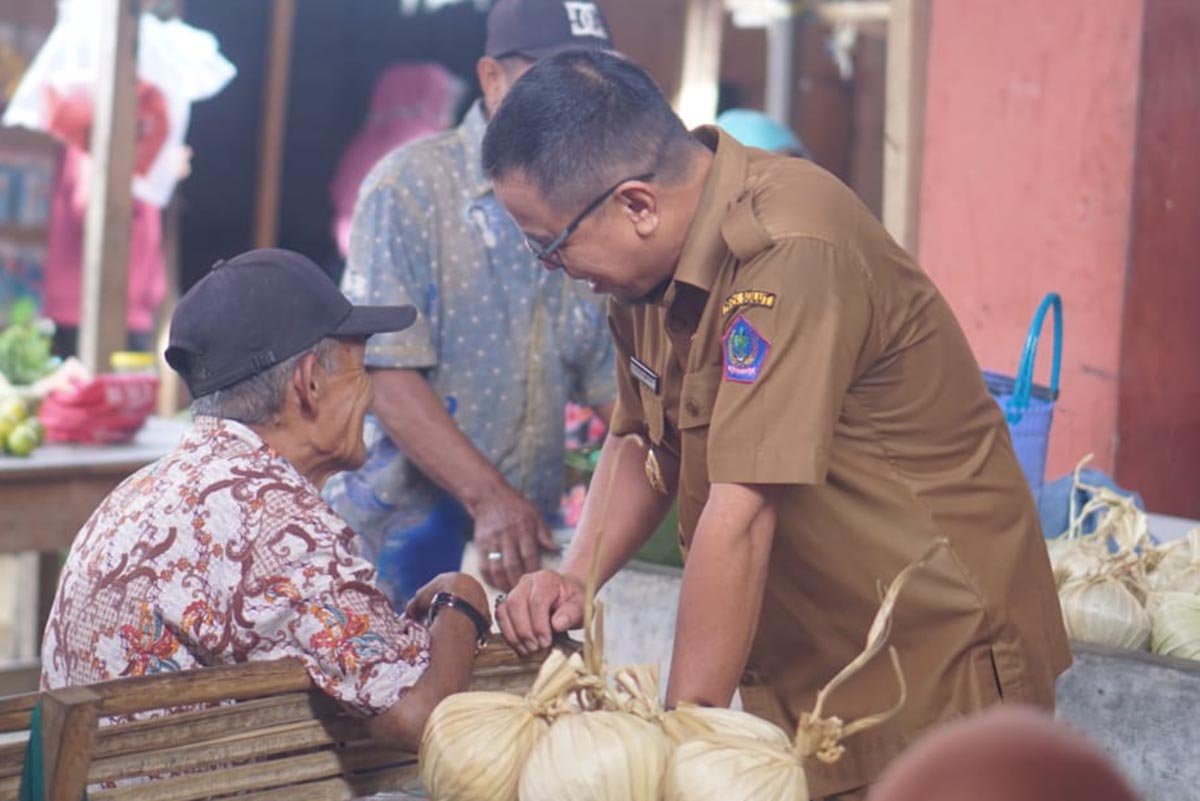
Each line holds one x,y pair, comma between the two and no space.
177,65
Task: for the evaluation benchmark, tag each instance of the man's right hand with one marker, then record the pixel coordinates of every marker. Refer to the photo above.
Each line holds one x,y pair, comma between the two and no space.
509,535
541,605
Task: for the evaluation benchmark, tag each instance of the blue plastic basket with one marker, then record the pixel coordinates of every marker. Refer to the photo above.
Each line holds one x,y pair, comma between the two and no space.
1029,407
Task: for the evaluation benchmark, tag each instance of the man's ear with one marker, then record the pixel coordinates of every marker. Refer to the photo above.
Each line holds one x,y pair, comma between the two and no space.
639,204
308,384
493,82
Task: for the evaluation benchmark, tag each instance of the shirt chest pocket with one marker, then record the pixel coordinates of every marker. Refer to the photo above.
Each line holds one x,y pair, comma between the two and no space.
698,396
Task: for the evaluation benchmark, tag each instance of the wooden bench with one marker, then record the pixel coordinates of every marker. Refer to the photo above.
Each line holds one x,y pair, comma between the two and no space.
270,736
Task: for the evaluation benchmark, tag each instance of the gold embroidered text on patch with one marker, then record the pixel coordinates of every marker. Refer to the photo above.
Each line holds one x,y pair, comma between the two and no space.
748,297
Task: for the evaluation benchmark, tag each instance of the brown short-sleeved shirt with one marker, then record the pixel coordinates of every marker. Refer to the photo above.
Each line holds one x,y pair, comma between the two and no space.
798,345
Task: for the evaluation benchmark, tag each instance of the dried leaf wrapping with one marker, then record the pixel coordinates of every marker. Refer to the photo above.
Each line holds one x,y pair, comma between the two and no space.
689,722
1102,609
476,744
730,768
597,755
1177,566
733,756
611,746
1075,557
1176,626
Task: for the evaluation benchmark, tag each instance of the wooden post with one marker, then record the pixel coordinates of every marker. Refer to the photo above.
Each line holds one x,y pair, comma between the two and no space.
702,33
110,201
904,119
270,150
781,74
69,720
170,386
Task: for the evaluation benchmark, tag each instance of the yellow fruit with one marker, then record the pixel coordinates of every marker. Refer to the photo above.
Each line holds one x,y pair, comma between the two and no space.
21,440
6,427
37,427
13,408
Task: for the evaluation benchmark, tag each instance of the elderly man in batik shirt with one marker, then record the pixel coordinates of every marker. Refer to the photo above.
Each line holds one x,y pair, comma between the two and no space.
224,552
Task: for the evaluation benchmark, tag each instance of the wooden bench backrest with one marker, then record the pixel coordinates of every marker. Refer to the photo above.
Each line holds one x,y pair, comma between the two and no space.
266,734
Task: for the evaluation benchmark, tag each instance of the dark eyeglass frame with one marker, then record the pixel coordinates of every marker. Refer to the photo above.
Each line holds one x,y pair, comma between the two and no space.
548,253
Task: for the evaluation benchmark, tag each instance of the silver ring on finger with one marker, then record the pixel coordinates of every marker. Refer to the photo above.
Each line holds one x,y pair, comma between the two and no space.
495,556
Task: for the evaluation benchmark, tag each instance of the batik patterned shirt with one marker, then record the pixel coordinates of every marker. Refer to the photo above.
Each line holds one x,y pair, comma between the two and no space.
504,342
221,553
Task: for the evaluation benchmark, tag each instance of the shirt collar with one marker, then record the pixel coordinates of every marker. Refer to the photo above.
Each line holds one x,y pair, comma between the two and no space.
225,436
472,129
704,247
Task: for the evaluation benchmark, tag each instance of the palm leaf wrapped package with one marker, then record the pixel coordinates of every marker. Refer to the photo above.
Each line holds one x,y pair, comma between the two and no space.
476,744
1176,626
611,745
1177,568
734,756
1102,609
1102,576
597,755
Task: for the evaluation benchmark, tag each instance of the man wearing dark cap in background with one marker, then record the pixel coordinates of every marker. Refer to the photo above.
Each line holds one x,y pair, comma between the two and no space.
224,552
467,429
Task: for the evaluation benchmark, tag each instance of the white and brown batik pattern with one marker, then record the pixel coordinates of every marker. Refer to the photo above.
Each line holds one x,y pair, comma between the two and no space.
219,553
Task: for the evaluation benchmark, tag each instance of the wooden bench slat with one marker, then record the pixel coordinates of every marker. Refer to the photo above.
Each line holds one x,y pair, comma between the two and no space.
10,787
15,711
343,788
12,757
253,745
202,686
215,722
244,778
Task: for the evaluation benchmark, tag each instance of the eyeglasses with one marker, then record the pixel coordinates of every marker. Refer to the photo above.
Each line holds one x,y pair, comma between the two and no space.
548,253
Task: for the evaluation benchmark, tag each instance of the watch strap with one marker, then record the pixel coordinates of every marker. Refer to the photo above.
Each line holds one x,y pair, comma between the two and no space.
447,599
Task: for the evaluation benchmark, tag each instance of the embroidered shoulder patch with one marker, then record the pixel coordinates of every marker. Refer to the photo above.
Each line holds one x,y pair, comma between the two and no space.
748,297
745,351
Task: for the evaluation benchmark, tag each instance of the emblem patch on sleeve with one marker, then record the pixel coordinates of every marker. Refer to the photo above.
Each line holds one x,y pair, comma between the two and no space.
748,297
745,351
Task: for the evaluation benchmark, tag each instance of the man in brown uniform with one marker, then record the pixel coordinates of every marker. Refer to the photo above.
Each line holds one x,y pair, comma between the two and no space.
789,371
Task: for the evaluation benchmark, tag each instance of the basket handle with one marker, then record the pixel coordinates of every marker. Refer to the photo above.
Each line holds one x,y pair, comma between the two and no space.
1019,402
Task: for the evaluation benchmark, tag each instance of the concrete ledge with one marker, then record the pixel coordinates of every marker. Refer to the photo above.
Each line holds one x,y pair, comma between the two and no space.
1144,711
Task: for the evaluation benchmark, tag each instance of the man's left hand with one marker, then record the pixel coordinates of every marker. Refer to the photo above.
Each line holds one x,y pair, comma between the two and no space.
509,534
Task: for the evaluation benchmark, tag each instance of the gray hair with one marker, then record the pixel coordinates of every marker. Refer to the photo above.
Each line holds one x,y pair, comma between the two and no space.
255,399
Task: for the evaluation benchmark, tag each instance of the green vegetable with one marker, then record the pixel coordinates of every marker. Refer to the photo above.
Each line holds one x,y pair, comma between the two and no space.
25,346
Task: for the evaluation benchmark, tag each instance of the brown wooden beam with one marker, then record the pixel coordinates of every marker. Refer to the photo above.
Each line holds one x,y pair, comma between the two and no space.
904,119
270,150
110,202
68,733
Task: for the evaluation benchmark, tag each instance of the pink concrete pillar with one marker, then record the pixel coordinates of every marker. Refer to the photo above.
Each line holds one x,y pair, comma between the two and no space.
1061,154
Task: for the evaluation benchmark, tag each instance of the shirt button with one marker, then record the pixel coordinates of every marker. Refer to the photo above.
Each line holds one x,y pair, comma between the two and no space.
691,407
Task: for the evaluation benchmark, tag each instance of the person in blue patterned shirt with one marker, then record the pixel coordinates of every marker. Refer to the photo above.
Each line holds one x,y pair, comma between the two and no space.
466,436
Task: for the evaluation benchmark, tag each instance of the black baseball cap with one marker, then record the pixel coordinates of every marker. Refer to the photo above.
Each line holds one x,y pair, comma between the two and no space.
255,310
540,28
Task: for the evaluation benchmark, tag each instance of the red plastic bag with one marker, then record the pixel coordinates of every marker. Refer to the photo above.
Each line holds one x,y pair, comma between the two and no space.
107,409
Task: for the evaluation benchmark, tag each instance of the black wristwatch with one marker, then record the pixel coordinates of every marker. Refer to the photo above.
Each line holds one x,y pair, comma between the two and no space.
482,627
